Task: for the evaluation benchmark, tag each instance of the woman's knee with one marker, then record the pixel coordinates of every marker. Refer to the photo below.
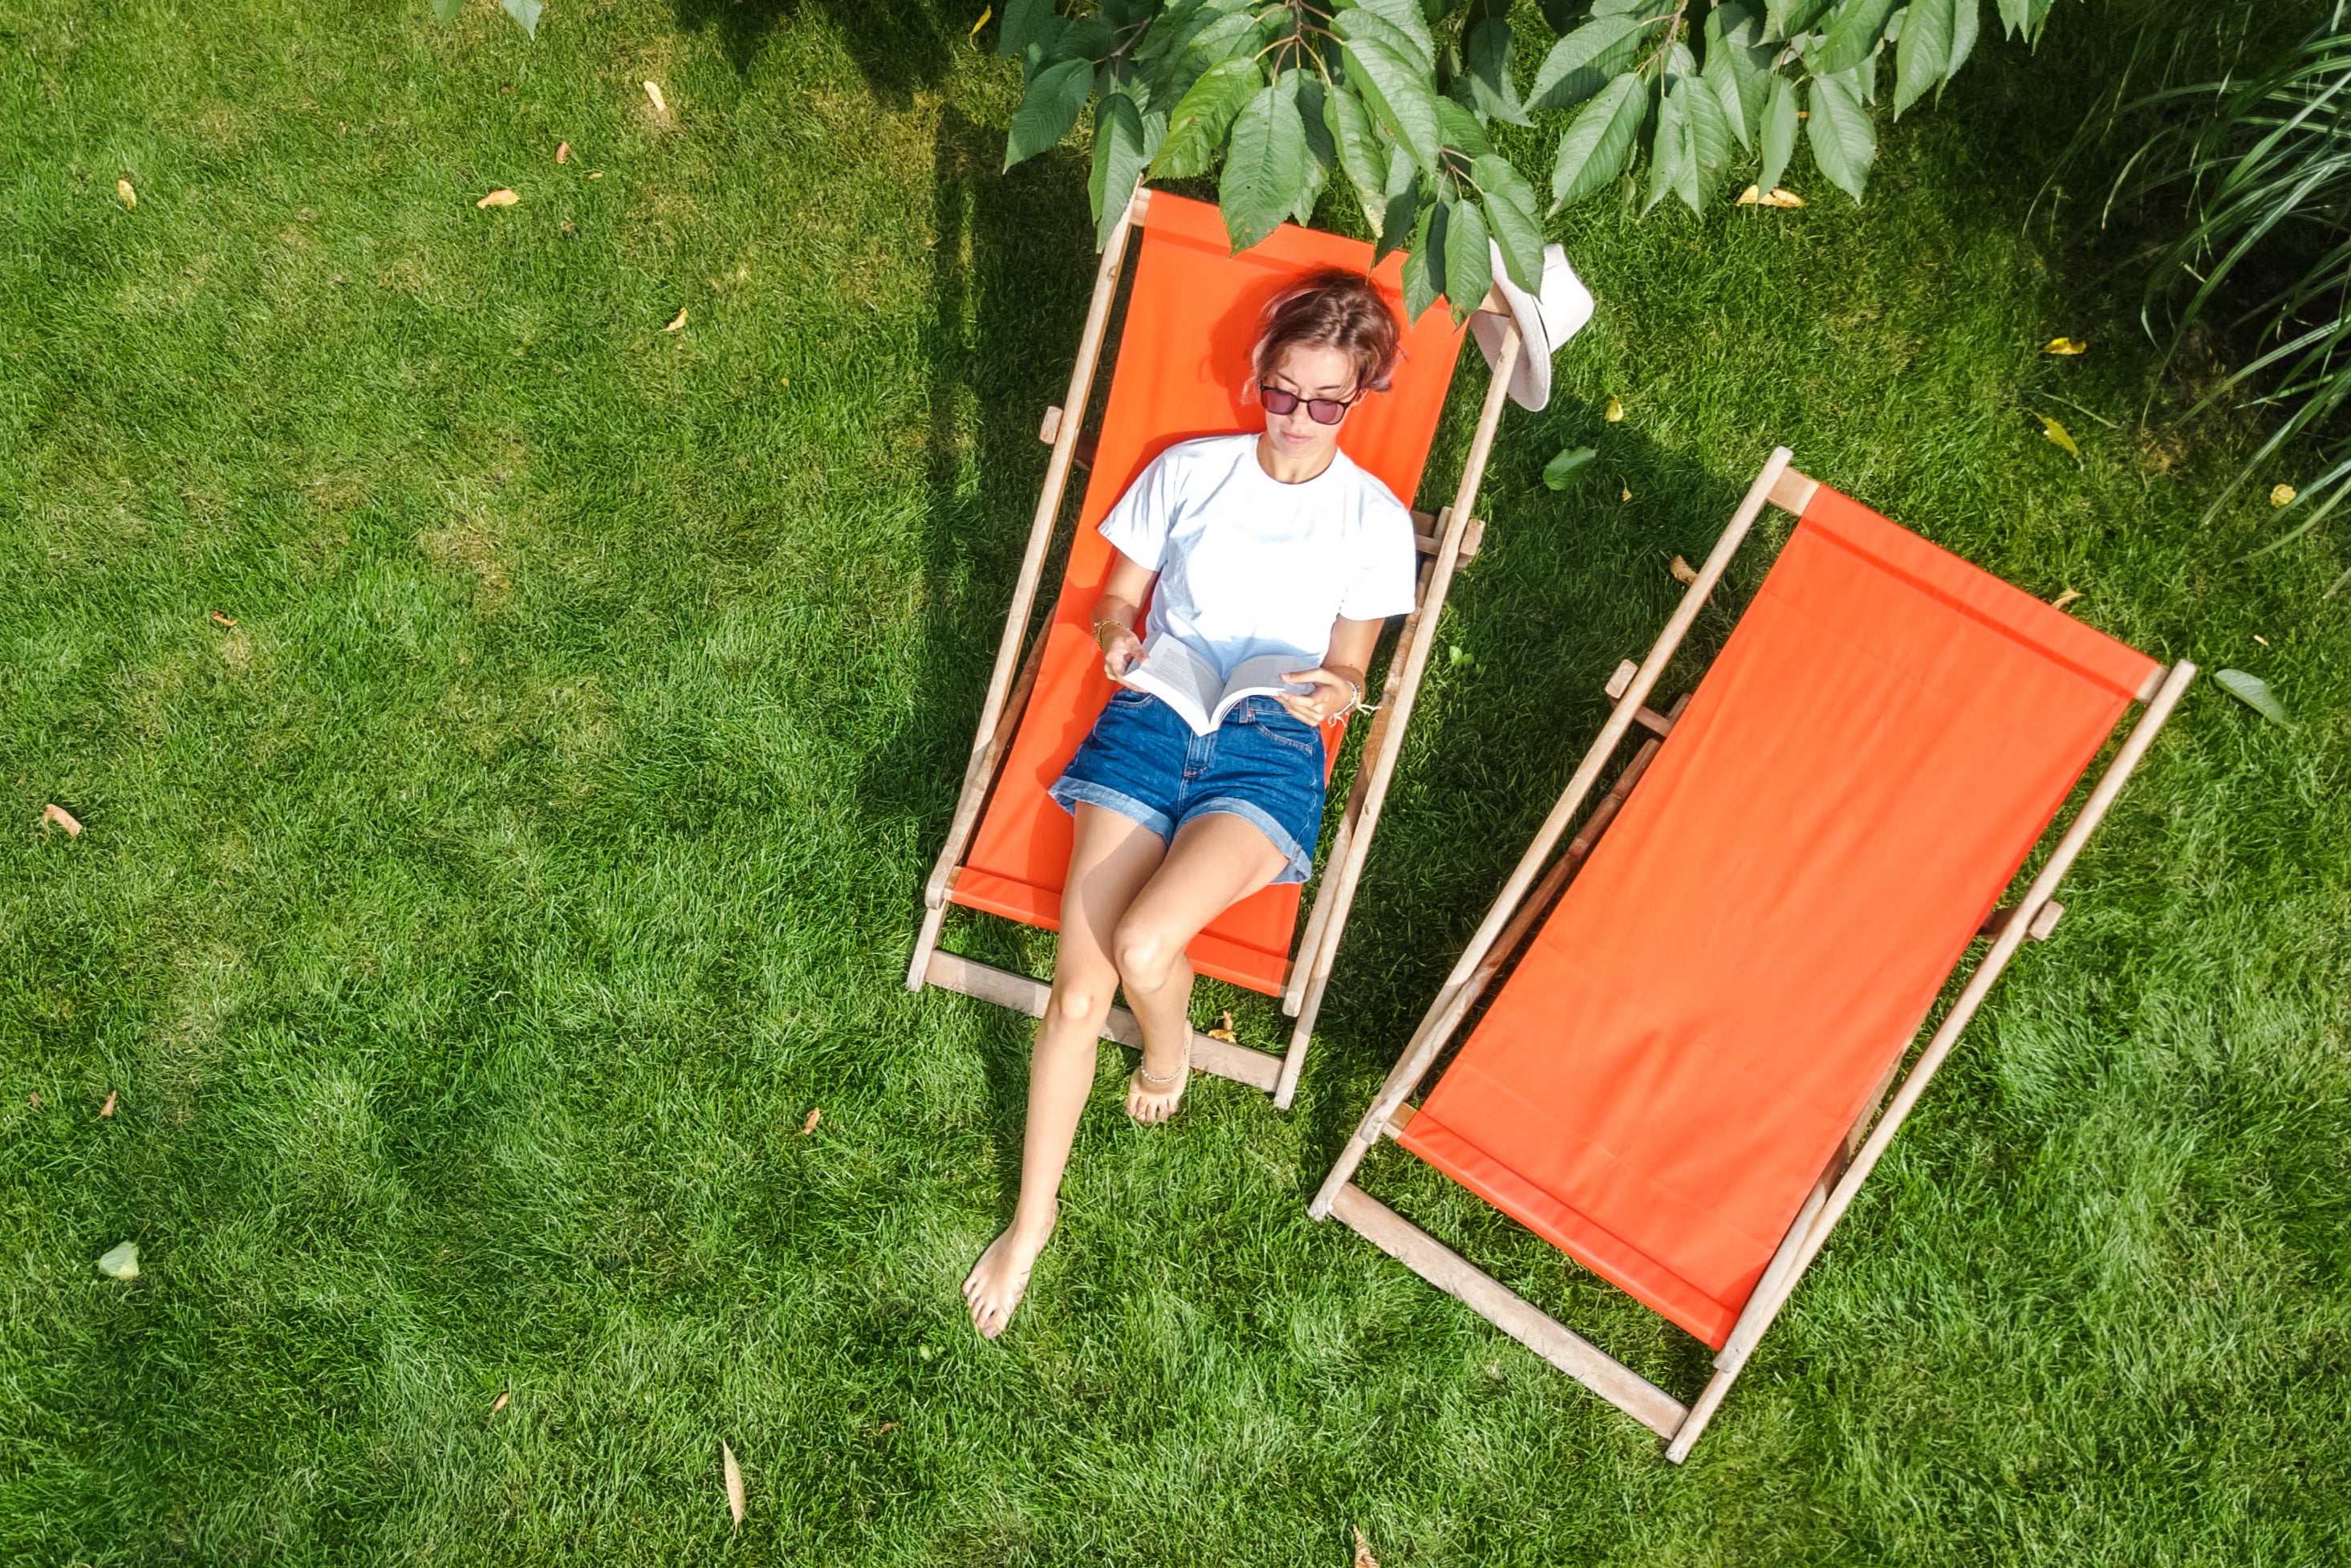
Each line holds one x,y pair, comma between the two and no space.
1083,998
1146,952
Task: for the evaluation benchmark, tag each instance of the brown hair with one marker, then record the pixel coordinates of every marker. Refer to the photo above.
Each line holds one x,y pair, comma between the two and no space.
1331,307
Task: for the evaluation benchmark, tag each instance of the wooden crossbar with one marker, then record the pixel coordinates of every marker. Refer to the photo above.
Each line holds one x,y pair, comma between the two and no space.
1522,904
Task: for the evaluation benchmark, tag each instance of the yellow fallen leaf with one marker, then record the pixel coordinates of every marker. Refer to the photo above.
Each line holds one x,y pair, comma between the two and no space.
1777,196
120,1262
733,1471
1682,571
1748,197
34,1098
595,175
1615,411
985,13
503,1397
1628,489
1224,1030
108,1109
2060,434
2264,642
679,321
814,1116
499,199
63,819
2066,346
2282,495
224,620
123,193
890,1426
661,104
2065,598
563,152
1363,1558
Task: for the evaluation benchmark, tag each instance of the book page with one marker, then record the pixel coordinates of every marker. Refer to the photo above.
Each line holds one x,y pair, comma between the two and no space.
1182,679
1260,678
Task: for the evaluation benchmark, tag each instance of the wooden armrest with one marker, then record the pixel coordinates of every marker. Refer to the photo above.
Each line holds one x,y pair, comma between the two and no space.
2044,923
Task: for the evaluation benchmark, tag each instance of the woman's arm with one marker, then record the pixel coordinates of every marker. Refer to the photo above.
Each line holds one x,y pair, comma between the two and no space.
1338,680
1116,613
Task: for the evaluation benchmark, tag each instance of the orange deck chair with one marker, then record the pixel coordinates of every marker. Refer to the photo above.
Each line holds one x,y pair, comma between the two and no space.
1191,318
1676,1085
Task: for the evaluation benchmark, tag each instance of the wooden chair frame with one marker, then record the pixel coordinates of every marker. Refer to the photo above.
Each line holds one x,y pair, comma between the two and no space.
1514,915
1447,540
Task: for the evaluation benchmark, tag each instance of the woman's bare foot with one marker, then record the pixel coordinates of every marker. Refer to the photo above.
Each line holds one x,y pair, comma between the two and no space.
1000,1277
1152,1097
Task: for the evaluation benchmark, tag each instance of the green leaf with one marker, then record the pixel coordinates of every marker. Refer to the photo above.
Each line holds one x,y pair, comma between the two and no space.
1924,55
1965,17
1121,155
447,9
2025,17
1469,259
1049,108
1511,217
1557,472
1400,206
1406,17
1785,18
1321,149
1424,269
1854,32
1458,129
1197,127
1739,71
1600,142
1710,142
2254,693
1580,63
1485,53
1779,133
1265,169
1672,165
1399,97
1843,142
524,12
1360,153
1026,22
1204,37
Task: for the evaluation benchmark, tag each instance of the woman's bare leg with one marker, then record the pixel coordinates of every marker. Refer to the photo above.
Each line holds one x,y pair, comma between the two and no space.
1110,860
1215,861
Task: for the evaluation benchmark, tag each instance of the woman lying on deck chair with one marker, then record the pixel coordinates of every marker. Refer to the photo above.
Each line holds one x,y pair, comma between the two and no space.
1275,559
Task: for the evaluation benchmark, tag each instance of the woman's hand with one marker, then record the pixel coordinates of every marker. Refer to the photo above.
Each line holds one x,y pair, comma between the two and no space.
1121,650
1335,691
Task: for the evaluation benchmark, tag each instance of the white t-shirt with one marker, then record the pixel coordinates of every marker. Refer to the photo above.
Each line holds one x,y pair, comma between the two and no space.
1248,565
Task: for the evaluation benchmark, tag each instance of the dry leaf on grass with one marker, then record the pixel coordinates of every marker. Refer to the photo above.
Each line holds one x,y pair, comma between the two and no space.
676,324
1778,197
223,620
1223,1030
120,1262
499,198
108,1109
503,1397
34,1100
814,1116
563,152
1614,412
2264,642
596,174
1363,1558
661,104
2060,434
885,1426
124,194
1627,490
1682,571
985,13
2282,495
2066,346
63,819
734,1470
2065,598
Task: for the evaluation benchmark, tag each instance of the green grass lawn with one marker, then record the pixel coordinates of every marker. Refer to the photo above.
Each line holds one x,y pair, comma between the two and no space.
470,929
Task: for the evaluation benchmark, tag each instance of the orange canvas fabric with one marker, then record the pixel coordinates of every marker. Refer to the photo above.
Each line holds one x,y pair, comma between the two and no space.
1759,934
1181,372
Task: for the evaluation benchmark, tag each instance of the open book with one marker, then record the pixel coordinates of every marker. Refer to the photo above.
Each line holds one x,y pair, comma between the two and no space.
1190,684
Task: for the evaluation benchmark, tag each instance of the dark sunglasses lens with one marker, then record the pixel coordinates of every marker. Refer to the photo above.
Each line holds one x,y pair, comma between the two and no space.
1325,410
1279,402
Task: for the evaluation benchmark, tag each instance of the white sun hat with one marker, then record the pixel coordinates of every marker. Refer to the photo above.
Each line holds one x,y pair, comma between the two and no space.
1545,322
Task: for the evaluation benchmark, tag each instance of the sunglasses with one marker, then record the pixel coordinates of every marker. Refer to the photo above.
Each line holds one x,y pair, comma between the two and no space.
1321,409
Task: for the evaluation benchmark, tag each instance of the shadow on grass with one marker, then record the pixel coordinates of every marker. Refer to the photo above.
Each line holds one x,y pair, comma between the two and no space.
899,47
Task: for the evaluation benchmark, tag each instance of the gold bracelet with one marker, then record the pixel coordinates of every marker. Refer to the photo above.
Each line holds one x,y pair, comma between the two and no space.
1106,621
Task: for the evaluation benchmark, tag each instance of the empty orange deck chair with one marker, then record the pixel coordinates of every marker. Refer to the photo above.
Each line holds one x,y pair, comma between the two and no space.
1676,1085
1181,372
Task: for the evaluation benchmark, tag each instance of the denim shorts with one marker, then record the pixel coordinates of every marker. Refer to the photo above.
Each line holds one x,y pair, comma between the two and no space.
1262,766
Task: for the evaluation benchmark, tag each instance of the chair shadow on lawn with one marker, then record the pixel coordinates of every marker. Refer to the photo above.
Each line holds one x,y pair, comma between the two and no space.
898,46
